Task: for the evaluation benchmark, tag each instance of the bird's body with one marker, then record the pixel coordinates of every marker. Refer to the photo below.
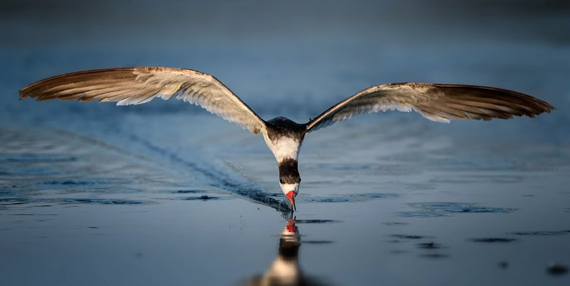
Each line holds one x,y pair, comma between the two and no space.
284,138
437,102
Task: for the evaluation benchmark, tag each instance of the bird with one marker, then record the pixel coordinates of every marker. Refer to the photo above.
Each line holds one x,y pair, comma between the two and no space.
284,137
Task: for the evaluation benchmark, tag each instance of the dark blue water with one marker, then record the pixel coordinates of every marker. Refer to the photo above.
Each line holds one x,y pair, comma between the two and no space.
166,193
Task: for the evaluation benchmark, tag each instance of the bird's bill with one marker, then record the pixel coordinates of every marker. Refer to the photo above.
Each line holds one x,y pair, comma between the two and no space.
291,196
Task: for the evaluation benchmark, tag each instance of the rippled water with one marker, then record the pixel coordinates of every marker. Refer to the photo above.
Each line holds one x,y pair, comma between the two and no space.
164,193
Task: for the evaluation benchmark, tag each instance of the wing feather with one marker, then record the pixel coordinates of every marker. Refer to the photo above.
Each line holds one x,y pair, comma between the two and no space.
437,102
139,85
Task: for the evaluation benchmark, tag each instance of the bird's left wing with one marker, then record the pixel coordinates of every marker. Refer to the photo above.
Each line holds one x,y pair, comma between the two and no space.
139,85
437,102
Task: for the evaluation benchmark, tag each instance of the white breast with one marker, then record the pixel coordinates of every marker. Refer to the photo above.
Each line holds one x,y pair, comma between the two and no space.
284,148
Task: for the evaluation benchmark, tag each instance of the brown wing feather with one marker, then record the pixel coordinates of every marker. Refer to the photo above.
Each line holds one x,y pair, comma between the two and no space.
437,102
142,84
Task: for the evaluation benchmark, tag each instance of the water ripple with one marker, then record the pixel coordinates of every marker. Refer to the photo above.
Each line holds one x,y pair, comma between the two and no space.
449,208
318,221
202,198
188,192
85,182
36,158
434,255
410,236
19,201
103,201
217,178
421,214
494,240
318,241
347,198
15,201
429,245
484,179
394,223
541,233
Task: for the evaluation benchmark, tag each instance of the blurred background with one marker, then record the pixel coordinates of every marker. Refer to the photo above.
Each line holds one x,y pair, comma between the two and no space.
287,57
94,194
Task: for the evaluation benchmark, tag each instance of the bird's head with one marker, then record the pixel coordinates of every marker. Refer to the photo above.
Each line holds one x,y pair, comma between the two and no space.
289,179
290,189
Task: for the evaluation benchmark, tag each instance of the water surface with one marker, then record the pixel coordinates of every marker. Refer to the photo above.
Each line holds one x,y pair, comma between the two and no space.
166,193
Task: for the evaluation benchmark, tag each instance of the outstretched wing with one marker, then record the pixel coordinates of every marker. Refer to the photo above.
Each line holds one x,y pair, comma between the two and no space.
437,102
142,84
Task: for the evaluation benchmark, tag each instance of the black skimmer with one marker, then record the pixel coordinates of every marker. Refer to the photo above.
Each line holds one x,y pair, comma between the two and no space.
437,102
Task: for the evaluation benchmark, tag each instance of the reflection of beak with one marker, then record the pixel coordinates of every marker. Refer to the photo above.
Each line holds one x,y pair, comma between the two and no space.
290,229
291,196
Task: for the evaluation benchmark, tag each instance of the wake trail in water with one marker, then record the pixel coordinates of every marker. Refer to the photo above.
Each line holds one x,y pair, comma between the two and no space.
214,177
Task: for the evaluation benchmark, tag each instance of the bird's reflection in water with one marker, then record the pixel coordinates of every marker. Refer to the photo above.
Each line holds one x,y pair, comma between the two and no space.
285,270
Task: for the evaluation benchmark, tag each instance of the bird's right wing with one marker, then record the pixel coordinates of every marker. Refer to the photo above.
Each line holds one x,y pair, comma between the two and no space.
437,102
139,85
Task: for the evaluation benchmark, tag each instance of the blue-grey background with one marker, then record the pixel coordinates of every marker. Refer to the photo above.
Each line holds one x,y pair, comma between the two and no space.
94,194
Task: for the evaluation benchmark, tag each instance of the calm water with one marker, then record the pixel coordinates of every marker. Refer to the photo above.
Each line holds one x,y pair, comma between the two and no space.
165,193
